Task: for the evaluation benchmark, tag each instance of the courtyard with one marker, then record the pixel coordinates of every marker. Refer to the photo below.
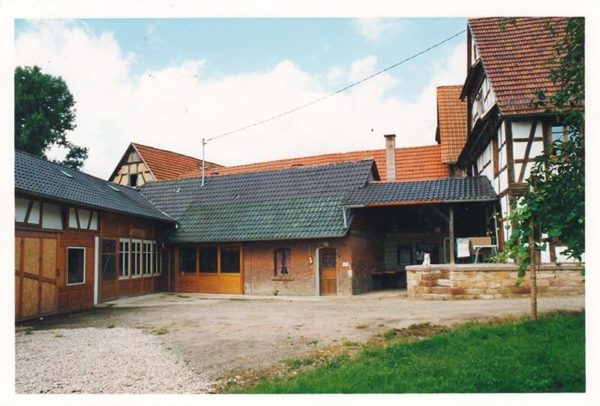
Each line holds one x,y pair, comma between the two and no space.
197,343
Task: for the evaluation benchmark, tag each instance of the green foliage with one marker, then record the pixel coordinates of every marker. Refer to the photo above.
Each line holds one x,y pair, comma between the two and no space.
44,113
474,358
556,195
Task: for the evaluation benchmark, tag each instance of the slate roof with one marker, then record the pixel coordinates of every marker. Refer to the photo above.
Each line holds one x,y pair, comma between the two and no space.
459,189
39,177
411,163
516,59
452,122
291,203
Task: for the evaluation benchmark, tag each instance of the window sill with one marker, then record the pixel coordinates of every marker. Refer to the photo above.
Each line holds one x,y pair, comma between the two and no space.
283,278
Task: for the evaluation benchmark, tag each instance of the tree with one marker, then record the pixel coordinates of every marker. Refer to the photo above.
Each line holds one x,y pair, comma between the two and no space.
555,201
44,113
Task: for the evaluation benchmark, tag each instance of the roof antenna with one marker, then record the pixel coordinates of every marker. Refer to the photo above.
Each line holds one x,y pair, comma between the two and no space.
203,165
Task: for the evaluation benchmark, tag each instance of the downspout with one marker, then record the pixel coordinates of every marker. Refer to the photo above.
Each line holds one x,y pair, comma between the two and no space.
345,218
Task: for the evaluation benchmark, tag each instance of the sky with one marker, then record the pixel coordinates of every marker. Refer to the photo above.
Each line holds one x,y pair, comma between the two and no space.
169,83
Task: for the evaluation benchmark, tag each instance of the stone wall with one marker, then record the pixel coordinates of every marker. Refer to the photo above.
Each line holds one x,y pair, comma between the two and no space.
488,281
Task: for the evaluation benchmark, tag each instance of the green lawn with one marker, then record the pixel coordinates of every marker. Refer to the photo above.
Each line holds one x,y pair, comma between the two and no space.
519,356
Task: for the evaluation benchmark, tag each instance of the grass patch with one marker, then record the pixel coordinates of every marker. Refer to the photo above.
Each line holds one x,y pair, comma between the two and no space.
513,356
362,326
390,334
295,363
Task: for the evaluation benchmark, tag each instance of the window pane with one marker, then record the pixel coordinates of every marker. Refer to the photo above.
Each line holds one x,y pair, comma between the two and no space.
187,259
109,246
282,261
124,258
147,258
404,255
75,265
108,267
136,258
208,259
230,260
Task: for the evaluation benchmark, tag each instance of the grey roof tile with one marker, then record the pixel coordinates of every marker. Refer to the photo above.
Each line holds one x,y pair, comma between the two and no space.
458,189
39,177
299,202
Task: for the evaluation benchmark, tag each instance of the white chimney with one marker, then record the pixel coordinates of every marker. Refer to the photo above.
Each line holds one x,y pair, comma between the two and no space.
390,157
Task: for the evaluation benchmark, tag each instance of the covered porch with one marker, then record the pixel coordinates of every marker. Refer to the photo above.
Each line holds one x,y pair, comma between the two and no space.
451,221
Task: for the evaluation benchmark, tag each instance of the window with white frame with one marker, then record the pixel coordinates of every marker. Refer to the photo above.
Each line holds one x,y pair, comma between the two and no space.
75,265
124,258
147,253
136,258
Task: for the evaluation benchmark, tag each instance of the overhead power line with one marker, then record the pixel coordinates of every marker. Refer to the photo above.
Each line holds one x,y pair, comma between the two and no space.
320,99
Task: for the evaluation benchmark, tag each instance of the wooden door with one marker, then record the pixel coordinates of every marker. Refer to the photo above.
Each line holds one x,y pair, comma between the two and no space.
327,271
36,289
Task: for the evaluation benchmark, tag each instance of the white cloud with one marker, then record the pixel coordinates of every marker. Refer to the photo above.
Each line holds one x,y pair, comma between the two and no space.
175,107
375,29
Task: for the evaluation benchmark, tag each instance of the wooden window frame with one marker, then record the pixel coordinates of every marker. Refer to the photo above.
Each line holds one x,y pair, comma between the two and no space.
148,260
139,260
67,265
157,259
127,256
287,256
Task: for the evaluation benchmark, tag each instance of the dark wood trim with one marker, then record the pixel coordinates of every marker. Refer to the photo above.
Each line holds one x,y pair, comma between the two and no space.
527,151
527,139
28,211
520,161
547,135
451,232
510,159
495,155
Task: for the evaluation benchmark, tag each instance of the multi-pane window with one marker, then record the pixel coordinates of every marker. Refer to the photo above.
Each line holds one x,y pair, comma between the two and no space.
559,133
109,253
124,258
147,254
136,258
187,259
209,259
75,266
282,261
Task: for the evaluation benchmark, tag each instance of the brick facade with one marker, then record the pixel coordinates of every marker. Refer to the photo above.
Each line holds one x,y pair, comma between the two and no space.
487,281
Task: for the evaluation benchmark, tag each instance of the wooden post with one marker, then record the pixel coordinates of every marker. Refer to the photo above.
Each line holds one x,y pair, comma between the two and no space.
532,270
451,232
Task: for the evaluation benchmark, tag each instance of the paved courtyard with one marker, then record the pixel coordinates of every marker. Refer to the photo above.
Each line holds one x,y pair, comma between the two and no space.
189,343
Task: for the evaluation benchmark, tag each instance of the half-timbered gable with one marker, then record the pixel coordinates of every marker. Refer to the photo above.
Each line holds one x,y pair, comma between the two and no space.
141,164
509,65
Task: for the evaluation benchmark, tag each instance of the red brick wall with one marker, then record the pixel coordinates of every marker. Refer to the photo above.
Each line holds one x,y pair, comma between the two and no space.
259,278
367,258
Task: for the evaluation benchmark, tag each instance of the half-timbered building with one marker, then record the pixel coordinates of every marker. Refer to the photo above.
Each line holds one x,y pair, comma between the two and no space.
508,65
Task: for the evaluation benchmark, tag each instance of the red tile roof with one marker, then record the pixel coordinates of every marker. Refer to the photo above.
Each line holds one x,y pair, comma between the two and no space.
167,164
413,163
516,59
452,122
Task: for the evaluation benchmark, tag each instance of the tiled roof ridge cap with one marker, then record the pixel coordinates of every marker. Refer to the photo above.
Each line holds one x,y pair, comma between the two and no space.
288,168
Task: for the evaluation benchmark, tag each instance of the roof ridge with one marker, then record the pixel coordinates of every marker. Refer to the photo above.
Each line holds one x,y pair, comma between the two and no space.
288,168
173,152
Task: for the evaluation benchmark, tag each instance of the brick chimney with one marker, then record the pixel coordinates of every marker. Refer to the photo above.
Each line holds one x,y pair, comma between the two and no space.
390,157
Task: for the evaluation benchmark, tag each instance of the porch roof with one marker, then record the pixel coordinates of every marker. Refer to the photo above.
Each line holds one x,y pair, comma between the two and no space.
449,190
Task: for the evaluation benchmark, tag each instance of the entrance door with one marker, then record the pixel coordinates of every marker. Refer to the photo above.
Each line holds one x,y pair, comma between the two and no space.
327,271
35,275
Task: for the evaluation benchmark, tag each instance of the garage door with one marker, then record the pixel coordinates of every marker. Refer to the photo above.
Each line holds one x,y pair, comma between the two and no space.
36,290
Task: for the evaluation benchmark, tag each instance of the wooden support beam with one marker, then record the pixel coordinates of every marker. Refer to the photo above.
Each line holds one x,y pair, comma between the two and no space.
451,232
527,151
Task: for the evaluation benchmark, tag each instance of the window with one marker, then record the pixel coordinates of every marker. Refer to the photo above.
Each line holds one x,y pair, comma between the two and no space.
124,259
230,260
208,259
109,253
282,261
558,133
75,266
328,258
133,180
404,255
187,259
136,258
157,259
147,253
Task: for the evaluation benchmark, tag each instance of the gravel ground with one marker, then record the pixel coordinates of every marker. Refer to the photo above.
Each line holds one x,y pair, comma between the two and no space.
187,343
100,360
